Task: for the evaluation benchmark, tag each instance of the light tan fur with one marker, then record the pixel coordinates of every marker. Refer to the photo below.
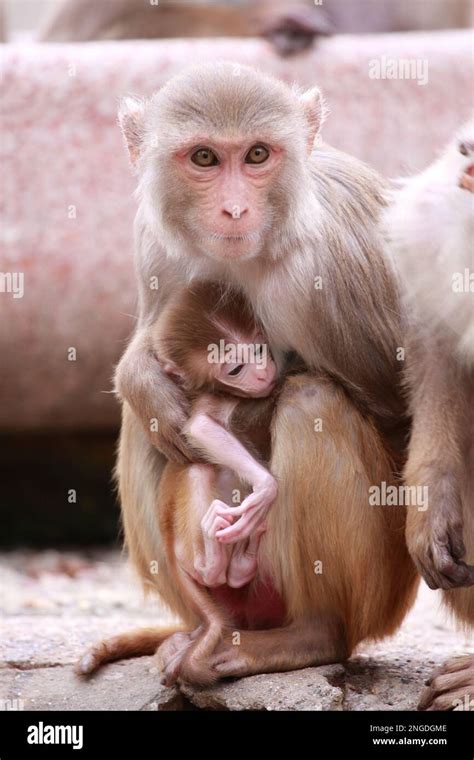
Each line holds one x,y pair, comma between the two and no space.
317,217
431,227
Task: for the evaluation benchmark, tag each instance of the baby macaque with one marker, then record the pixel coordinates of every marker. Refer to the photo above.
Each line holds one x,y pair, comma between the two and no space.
209,341
431,226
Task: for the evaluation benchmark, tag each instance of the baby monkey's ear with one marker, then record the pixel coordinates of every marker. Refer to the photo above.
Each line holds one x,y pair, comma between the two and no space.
173,370
315,112
131,117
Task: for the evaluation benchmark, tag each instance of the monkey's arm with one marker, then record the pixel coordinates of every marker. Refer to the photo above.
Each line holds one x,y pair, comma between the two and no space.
435,536
155,398
224,449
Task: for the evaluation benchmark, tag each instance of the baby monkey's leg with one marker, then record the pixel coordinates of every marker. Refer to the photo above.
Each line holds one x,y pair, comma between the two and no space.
197,551
223,448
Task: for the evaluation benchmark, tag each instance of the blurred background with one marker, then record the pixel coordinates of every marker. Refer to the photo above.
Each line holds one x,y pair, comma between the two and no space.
397,76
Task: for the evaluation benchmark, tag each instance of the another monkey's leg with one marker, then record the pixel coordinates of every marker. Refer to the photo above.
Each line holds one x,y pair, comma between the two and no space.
453,685
340,564
435,534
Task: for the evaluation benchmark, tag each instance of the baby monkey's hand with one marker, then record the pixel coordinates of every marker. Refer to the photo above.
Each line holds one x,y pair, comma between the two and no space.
252,512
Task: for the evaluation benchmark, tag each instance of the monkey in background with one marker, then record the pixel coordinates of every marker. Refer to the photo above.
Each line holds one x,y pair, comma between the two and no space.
431,227
290,25
233,189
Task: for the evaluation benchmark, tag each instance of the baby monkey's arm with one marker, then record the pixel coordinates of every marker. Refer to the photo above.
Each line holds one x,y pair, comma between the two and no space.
208,431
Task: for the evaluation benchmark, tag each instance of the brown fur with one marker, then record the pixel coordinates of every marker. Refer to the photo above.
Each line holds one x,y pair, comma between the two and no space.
431,226
319,216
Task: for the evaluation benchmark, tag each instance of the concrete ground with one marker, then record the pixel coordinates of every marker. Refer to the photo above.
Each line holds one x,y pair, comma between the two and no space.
53,605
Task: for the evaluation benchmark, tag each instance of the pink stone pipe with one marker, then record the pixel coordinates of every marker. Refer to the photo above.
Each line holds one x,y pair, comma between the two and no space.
66,191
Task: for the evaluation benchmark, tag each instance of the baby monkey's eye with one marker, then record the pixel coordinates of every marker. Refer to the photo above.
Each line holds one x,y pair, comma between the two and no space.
236,371
204,157
257,155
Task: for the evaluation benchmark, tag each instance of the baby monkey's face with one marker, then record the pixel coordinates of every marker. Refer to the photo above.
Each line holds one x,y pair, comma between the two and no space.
247,369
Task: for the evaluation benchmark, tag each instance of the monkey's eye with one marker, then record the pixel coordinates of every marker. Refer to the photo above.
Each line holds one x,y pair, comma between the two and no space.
257,155
204,157
236,371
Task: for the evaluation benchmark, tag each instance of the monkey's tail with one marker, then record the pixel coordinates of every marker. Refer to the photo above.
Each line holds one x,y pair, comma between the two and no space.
144,641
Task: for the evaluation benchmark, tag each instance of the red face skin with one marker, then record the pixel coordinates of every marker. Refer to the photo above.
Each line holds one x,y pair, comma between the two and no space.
231,182
467,179
255,379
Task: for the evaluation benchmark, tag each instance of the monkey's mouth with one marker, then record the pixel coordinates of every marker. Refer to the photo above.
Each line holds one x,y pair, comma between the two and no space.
245,237
467,179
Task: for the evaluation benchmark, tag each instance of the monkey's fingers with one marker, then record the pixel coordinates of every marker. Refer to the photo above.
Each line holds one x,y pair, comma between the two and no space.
449,570
243,528
217,516
449,686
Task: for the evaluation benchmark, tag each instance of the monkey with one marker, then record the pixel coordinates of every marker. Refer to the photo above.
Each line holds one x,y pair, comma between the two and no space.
193,325
290,28
209,341
235,186
430,224
290,25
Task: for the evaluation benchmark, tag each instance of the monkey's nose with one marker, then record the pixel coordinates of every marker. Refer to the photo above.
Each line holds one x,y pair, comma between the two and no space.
234,210
466,147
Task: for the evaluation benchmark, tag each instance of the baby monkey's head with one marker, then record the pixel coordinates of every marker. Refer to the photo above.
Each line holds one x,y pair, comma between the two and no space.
209,339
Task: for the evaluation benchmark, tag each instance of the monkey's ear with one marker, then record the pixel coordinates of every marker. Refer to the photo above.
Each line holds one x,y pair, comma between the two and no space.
315,112
173,370
131,116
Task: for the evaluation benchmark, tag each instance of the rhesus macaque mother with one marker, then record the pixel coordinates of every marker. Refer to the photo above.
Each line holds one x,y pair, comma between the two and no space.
231,188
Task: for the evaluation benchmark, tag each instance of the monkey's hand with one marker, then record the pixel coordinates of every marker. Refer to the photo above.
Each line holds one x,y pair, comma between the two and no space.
435,542
211,559
252,512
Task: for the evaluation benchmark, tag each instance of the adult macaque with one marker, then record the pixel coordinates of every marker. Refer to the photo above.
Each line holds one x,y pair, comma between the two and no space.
231,189
291,25
431,223
208,339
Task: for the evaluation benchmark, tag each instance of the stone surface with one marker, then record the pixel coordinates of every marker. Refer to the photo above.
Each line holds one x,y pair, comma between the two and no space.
53,605
121,686
308,689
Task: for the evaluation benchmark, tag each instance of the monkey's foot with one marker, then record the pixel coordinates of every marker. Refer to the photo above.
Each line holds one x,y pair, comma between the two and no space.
299,645
451,687
244,560
170,654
